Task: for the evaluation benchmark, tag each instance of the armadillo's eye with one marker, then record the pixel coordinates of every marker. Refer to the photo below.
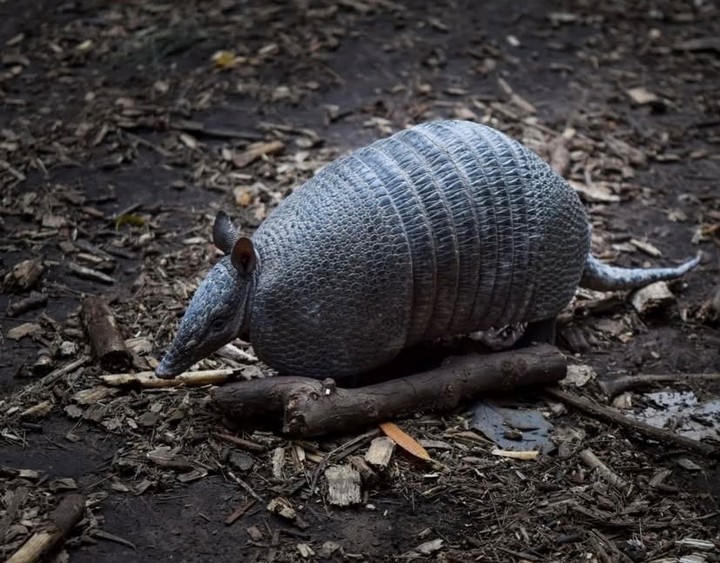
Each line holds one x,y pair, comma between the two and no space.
217,324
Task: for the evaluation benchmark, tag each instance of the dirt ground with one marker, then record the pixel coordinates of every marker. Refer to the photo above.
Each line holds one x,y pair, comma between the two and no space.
126,125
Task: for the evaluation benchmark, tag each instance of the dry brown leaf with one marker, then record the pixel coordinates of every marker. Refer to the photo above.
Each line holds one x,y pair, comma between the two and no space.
405,441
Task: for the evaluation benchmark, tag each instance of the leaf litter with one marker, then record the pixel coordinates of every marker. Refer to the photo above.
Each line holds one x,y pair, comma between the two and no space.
129,125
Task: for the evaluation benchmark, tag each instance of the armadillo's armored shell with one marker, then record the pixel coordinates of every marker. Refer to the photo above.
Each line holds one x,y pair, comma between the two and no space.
441,229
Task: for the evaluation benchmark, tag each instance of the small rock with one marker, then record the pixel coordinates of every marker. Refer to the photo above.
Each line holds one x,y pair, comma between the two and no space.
241,461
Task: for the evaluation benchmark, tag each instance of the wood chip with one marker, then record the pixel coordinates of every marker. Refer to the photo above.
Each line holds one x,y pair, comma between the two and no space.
257,151
23,276
515,99
595,193
641,95
646,247
284,509
37,411
380,452
652,297
89,273
343,485
278,463
23,330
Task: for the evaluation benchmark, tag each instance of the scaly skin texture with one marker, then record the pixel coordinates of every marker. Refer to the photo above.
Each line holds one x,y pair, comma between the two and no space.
442,229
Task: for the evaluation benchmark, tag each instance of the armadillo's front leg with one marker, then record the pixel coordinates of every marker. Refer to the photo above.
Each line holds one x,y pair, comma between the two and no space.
538,332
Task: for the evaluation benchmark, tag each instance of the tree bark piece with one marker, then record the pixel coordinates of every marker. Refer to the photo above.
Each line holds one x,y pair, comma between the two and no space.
105,338
308,407
69,512
645,430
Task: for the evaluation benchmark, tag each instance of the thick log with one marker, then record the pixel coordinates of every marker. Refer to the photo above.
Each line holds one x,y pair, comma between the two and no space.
68,513
309,407
107,343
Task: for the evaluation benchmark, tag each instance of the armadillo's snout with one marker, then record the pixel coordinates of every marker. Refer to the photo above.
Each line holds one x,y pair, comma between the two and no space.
181,355
166,369
173,364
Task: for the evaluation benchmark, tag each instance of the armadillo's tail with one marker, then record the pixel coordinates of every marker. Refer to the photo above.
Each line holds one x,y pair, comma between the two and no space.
604,277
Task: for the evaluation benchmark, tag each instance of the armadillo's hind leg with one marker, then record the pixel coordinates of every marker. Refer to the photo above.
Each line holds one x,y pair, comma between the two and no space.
538,332
604,277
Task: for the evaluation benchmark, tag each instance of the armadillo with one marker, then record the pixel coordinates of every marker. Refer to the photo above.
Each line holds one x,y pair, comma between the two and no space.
442,229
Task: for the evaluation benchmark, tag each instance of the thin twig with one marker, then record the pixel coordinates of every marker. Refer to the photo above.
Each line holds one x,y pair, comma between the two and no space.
615,386
610,415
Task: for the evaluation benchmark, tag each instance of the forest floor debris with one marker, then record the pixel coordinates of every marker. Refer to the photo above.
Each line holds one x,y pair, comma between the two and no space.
126,126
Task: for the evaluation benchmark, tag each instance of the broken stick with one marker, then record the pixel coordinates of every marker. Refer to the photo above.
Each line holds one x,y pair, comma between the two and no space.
105,338
617,385
645,430
149,380
69,512
308,407
593,462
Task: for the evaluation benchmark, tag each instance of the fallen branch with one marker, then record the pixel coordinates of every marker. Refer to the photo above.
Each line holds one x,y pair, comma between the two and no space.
69,512
198,128
646,430
149,380
107,343
32,302
617,385
308,407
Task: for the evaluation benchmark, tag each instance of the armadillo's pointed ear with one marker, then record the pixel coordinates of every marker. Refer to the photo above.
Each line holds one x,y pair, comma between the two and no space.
243,256
225,234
